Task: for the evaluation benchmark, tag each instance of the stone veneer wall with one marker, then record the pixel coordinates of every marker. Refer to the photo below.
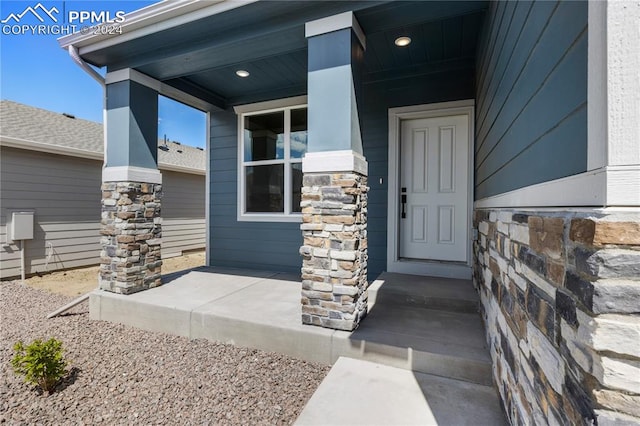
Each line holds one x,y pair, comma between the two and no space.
334,251
560,297
131,229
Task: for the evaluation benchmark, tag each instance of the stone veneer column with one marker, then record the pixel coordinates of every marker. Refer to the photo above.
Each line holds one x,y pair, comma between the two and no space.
334,269
131,228
131,225
334,192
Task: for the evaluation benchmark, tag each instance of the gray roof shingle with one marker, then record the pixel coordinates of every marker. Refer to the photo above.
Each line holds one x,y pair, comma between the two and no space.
27,123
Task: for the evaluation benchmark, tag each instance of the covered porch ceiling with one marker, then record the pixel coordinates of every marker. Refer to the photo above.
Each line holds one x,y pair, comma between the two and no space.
267,39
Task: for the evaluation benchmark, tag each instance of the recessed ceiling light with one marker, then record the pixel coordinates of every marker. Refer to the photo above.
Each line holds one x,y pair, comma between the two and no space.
402,41
242,73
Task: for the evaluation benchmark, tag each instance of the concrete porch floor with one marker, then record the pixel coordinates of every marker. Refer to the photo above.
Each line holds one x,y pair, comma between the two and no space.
421,324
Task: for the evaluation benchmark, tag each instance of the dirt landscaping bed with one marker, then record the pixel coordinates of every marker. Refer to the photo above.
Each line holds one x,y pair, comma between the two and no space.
77,282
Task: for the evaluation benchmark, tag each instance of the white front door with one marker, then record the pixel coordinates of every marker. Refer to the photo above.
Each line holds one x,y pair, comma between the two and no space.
434,188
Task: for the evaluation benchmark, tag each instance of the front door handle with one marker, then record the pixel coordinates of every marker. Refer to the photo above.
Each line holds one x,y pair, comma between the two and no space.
404,206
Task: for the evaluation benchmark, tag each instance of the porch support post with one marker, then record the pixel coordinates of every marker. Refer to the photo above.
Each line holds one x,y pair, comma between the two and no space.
131,226
334,192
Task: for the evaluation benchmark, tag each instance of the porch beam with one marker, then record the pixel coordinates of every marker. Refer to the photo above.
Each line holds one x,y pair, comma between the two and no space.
202,101
251,98
183,84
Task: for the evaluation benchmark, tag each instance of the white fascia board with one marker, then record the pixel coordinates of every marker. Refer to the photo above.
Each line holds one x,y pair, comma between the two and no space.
137,20
49,148
335,23
152,19
181,169
160,87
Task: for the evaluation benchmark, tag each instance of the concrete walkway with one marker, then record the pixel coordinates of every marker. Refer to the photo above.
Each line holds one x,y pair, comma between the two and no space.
357,392
262,310
418,325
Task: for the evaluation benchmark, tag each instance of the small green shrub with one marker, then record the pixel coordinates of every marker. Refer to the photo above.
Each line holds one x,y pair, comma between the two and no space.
41,363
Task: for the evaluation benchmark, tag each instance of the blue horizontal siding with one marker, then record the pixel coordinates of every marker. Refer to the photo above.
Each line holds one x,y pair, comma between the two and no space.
247,245
518,171
377,99
274,246
532,88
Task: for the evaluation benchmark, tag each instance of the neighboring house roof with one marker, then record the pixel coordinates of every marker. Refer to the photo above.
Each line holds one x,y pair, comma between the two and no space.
27,127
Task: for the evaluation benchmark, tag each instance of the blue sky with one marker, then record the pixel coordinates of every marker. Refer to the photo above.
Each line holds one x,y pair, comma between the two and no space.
35,71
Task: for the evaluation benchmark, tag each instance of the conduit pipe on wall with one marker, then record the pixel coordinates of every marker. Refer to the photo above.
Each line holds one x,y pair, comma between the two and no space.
22,262
49,256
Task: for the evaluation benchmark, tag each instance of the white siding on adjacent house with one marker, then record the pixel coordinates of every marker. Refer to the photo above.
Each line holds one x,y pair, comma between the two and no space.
64,192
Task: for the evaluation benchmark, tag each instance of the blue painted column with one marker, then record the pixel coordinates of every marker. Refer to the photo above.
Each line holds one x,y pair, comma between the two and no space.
131,225
336,50
132,125
334,192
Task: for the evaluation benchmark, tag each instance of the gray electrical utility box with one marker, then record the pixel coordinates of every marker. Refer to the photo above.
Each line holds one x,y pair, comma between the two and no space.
21,226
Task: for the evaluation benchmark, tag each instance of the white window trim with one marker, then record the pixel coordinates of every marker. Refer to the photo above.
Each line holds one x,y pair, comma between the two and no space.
243,111
610,180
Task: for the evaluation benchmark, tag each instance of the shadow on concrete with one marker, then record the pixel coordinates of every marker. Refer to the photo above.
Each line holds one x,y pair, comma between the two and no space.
168,278
424,324
430,329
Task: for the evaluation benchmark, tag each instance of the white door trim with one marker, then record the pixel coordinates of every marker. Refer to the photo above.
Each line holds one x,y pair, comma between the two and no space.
433,268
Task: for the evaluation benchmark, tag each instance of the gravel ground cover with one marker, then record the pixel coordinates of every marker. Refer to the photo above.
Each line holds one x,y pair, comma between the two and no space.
121,375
